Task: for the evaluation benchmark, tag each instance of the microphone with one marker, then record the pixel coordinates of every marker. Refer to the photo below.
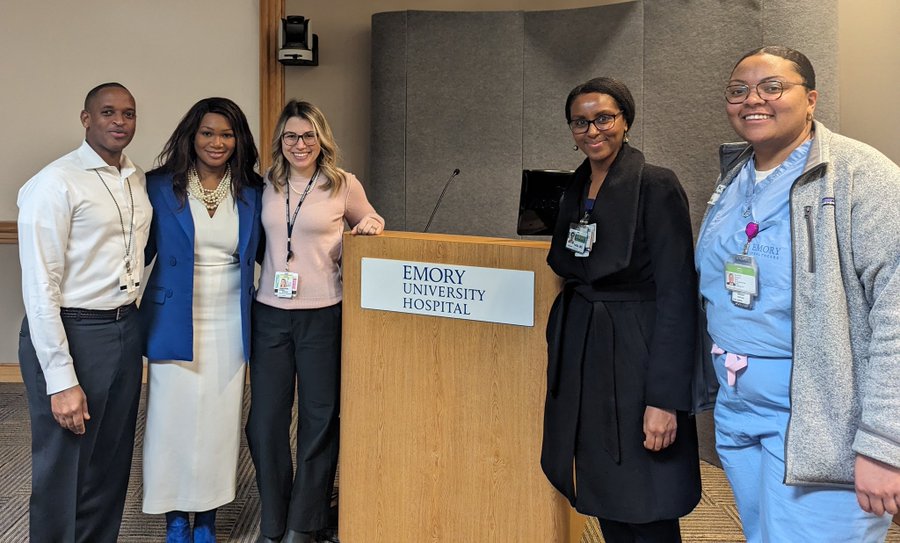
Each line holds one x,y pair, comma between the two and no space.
441,197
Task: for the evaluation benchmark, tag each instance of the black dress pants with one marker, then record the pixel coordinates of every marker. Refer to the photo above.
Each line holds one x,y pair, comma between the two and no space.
79,482
301,346
662,531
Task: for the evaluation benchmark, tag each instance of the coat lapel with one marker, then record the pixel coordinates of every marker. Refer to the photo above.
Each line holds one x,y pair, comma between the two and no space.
616,213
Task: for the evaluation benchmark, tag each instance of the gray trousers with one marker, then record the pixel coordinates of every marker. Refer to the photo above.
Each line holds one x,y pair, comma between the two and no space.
79,482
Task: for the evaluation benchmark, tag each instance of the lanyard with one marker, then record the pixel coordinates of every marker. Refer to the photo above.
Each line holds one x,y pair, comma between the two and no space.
128,241
292,219
588,207
588,204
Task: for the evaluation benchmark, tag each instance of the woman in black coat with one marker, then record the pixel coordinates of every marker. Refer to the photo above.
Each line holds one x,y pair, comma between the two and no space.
621,334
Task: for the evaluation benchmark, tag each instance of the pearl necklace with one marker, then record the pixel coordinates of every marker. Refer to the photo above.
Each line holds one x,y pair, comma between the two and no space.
210,198
293,188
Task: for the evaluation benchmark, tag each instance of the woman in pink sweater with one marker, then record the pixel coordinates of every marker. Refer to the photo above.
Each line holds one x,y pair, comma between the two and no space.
296,323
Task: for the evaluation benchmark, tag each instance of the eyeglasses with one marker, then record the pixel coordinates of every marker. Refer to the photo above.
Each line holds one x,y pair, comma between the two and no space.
290,138
737,93
602,122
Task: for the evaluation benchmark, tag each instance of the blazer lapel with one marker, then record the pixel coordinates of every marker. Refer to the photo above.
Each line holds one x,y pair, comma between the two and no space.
245,207
182,212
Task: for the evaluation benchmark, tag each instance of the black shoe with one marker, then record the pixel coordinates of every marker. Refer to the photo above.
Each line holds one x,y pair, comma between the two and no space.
298,537
328,535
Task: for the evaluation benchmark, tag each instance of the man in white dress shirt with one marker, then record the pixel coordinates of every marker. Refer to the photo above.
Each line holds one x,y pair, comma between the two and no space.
83,223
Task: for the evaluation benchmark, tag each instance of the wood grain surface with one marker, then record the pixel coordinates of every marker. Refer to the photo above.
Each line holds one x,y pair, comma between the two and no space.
441,419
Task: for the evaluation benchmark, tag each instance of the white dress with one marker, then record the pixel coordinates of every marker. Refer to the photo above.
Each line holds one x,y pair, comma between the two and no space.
194,408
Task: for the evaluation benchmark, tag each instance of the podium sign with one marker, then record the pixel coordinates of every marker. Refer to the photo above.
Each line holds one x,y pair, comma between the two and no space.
448,290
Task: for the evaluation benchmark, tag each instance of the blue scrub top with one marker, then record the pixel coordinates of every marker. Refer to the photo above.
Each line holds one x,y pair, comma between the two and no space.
763,331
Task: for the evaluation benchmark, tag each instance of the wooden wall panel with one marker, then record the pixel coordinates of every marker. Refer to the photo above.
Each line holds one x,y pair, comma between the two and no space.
271,76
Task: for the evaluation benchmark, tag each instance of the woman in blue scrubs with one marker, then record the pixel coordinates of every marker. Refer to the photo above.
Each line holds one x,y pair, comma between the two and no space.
798,256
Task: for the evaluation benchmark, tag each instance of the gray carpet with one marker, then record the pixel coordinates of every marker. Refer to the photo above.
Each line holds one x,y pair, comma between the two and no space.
715,519
237,522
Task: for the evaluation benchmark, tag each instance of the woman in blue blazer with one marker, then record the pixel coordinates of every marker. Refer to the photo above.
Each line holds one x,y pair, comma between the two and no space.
196,314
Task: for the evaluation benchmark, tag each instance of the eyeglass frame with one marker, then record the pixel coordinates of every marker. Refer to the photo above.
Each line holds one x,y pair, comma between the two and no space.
609,124
784,85
306,137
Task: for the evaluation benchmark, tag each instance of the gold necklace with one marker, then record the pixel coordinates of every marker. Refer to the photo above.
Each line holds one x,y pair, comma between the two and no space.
210,198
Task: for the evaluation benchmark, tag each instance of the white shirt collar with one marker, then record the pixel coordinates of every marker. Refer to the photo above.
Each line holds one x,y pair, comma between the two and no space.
90,160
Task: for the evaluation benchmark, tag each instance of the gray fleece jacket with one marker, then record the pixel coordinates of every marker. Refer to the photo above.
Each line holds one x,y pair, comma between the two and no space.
845,380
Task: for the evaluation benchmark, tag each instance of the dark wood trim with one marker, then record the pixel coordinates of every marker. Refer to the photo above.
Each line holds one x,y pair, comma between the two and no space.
9,233
271,76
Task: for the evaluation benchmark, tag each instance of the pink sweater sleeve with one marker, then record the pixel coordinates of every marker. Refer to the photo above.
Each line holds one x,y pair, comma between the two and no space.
357,206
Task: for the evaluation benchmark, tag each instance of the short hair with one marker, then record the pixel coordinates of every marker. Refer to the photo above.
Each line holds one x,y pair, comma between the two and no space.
178,154
328,158
92,94
801,64
605,85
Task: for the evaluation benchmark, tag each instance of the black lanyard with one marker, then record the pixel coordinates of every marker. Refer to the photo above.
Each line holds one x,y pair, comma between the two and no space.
291,219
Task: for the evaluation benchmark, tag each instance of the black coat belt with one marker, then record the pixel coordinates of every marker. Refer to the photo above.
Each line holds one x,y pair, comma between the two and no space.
560,428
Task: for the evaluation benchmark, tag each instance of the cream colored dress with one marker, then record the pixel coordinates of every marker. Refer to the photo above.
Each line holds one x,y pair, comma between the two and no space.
194,408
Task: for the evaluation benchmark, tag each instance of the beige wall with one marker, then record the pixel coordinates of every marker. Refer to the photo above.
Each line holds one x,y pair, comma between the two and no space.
170,53
869,67
340,84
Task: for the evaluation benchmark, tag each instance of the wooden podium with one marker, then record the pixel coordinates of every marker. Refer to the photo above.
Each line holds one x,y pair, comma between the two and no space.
441,418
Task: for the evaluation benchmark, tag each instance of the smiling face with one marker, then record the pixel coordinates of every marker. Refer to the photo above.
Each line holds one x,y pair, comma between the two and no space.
774,127
109,121
214,143
601,147
301,156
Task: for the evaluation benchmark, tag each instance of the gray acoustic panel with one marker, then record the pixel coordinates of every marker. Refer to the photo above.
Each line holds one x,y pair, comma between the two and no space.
811,27
563,49
690,47
464,110
484,92
387,184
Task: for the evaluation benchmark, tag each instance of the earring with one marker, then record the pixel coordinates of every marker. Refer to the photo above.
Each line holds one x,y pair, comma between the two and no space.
625,139
574,147
809,117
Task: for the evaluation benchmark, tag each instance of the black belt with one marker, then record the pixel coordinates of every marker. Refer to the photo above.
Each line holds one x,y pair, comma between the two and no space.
98,314
635,293
606,410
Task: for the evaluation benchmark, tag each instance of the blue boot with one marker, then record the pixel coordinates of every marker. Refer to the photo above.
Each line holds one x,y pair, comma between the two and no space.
205,527
178,527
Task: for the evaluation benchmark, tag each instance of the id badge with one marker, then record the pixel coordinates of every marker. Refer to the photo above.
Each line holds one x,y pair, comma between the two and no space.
592,237
580,237
127,283
286,283
742,280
